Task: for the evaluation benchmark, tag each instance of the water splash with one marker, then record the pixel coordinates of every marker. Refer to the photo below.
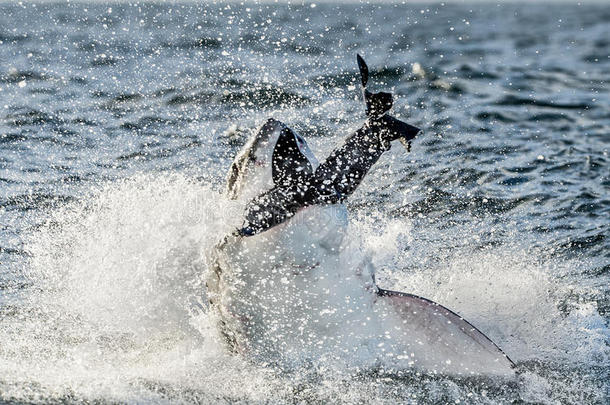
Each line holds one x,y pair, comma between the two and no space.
116,311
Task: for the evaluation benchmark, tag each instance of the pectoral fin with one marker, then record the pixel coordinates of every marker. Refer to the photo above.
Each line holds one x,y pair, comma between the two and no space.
446,341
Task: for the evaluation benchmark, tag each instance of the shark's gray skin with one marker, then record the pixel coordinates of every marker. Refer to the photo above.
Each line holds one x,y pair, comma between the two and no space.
292,283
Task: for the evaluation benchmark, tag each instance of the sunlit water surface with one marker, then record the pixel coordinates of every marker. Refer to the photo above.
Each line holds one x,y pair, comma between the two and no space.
119,122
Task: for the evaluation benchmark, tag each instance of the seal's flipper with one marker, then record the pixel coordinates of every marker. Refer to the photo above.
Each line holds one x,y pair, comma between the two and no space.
461,347
364,70
397,129
377,104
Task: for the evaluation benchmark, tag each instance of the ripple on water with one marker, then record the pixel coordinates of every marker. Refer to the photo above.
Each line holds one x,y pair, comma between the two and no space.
513,100
513,164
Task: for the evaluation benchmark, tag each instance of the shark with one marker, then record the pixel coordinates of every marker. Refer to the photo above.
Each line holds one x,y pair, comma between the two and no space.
293,283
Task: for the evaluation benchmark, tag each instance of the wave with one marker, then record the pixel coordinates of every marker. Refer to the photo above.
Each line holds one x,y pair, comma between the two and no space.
512,100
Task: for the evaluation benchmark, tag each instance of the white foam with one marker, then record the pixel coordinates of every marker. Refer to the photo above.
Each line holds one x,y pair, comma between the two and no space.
117,311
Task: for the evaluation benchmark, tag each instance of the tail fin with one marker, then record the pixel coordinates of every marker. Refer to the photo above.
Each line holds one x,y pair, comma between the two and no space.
377,104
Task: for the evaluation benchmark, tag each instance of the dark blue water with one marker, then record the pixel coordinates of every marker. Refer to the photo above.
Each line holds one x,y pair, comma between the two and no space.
117,126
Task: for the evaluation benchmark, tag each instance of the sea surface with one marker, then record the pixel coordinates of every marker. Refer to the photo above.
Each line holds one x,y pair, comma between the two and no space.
118,123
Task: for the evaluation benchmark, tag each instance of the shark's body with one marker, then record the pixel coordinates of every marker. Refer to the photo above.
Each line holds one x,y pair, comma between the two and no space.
294,285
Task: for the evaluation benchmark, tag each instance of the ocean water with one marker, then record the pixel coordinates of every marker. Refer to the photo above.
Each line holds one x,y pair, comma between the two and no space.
118,123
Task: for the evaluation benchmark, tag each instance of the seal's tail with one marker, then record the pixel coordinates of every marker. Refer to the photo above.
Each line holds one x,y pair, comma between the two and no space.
377,104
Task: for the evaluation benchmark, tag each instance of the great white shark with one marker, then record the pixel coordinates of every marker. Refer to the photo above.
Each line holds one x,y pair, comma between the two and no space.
293,284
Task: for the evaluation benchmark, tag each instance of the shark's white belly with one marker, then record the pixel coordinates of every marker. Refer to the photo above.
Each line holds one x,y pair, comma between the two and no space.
297,289
305,290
